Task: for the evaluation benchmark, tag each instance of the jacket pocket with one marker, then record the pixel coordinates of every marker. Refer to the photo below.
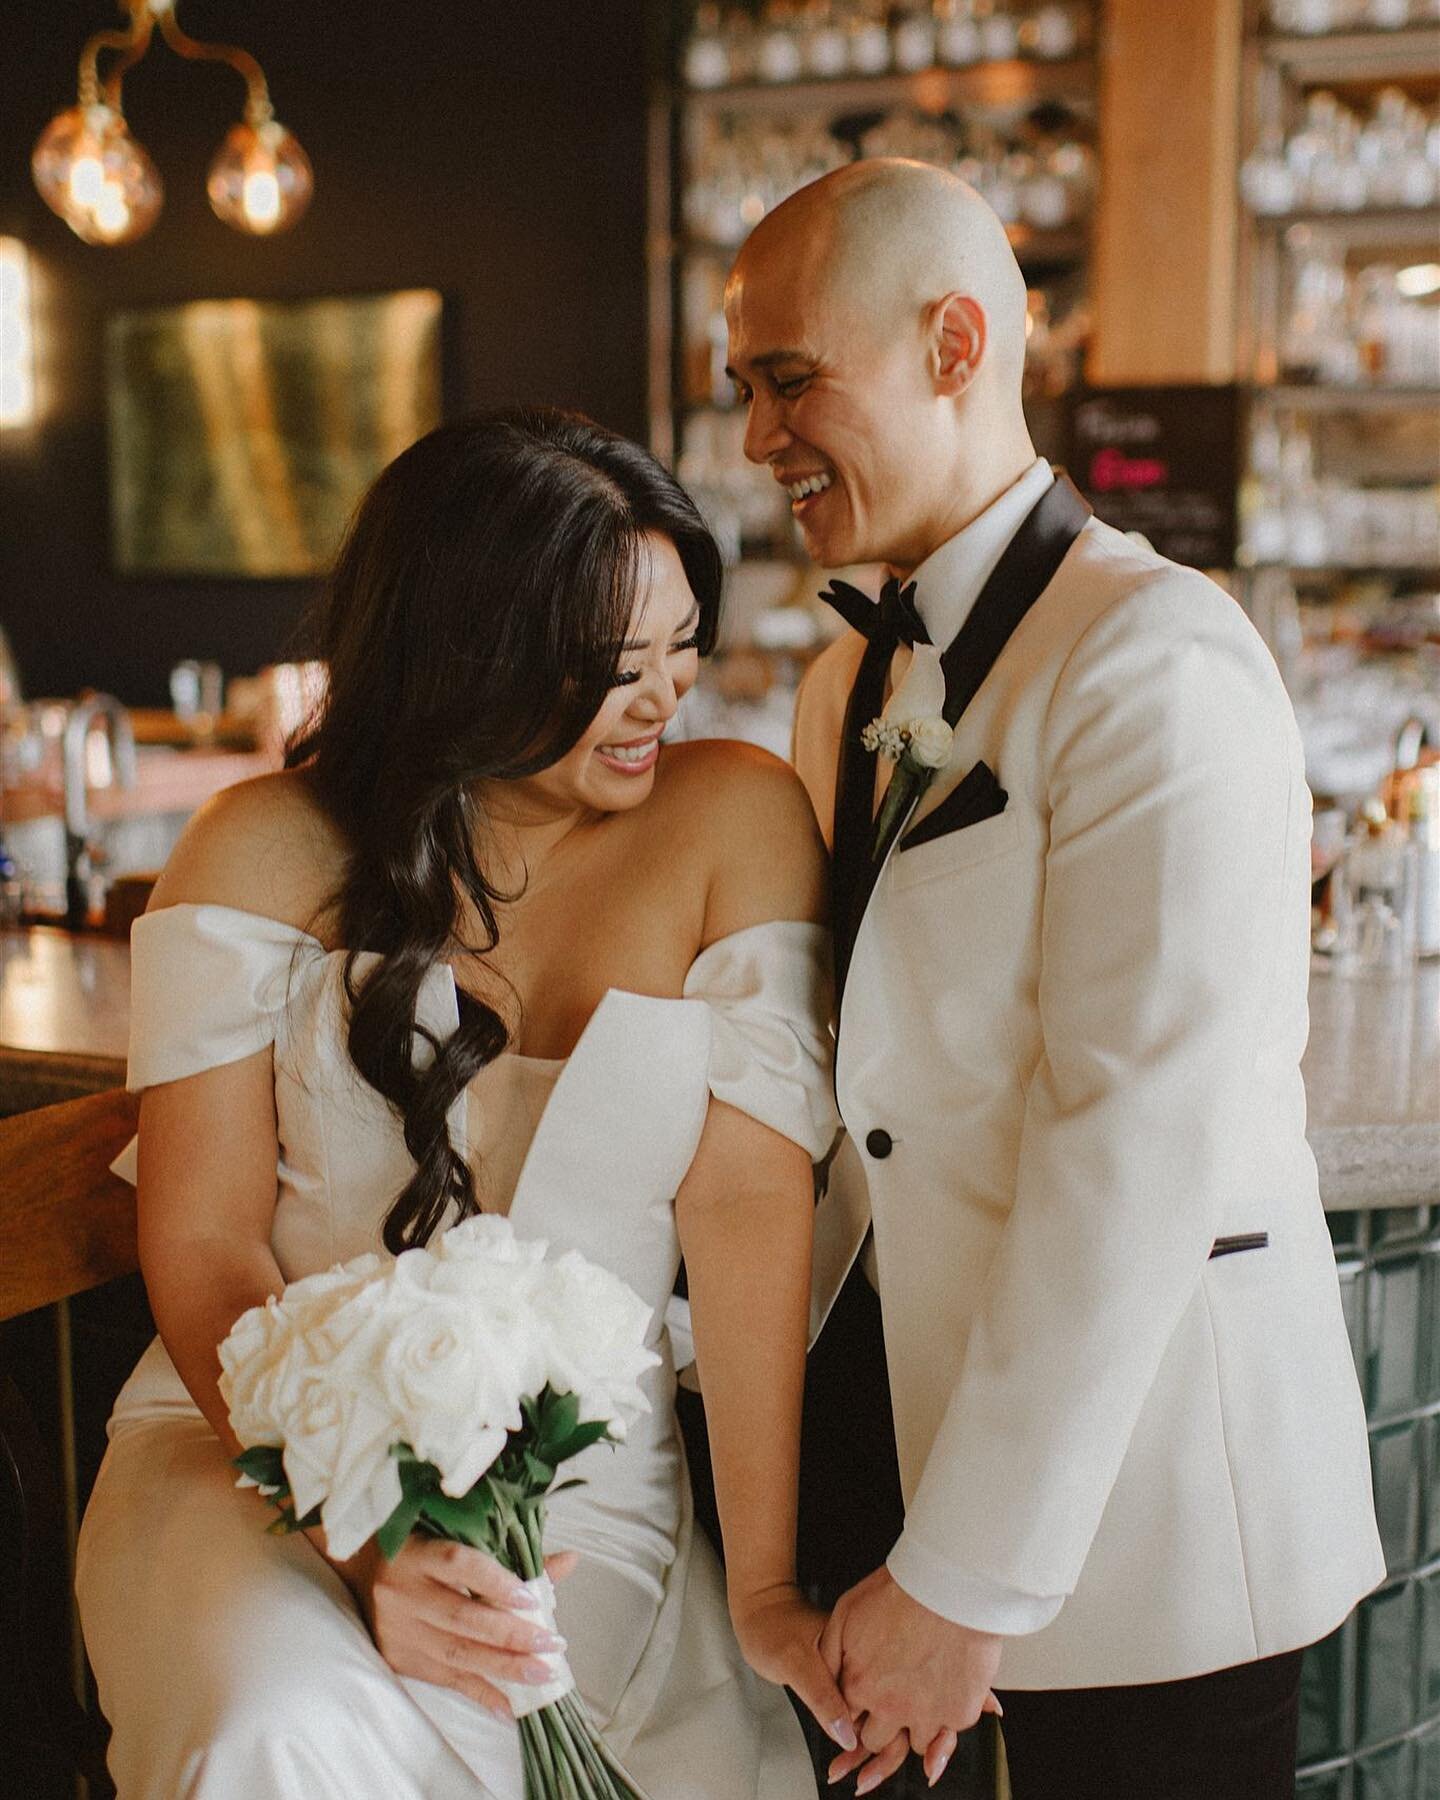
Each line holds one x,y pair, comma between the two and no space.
1244,1240
960,849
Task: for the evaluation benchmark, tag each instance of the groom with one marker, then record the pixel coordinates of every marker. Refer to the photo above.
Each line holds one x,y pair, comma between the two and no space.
1072,968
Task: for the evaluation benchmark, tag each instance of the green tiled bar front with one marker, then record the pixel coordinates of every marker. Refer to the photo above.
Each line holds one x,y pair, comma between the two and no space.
1370,1693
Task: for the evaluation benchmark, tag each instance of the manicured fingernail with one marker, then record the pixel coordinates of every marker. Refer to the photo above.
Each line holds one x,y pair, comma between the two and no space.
867,1783
549,1642
940,1768
843,1733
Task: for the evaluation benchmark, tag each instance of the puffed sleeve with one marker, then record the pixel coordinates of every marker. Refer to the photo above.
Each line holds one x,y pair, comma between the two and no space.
769,993
208,986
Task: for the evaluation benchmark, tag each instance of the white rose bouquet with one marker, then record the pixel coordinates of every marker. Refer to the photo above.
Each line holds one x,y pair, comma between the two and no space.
440,1393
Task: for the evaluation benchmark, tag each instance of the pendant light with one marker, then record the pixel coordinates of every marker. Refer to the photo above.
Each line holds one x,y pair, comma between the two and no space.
93,173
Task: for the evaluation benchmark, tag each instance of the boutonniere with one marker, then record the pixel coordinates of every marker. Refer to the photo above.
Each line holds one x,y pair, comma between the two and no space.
912,734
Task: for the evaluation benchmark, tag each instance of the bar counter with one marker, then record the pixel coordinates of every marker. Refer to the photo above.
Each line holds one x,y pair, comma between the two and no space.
1372,1069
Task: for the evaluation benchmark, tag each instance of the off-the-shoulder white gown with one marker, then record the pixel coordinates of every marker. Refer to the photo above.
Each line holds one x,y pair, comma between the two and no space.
233,1665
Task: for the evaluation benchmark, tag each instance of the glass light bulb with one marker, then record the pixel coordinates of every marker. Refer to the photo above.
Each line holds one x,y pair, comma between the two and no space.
90,171
110,213
261,200
87,175
260,181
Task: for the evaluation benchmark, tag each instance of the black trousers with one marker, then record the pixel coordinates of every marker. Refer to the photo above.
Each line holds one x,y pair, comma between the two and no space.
1226,1736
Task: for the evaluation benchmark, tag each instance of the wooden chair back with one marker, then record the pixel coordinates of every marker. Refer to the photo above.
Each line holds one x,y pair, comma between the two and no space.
66,1225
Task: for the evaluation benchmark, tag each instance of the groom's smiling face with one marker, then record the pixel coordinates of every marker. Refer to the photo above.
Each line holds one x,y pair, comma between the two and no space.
839,413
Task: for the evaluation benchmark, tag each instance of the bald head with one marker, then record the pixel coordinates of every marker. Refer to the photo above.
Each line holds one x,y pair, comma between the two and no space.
877,340
877,242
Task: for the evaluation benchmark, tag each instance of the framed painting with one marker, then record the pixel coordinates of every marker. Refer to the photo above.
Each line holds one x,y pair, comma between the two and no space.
242,432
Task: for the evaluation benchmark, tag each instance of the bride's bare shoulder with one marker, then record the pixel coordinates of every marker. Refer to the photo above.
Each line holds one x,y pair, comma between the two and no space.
755,830
265,846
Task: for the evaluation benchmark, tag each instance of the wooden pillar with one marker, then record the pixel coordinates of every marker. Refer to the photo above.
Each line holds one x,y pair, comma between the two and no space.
1166,231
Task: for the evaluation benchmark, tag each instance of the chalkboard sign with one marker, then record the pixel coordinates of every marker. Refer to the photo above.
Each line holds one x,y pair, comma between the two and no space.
1163,461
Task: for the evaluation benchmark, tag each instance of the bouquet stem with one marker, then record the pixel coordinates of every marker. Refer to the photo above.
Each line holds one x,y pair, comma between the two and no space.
564,1757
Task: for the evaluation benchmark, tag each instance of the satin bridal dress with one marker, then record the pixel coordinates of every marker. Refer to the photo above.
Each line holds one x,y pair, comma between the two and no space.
232,1663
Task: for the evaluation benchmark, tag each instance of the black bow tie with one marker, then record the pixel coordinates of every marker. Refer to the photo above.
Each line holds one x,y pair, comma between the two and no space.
895,620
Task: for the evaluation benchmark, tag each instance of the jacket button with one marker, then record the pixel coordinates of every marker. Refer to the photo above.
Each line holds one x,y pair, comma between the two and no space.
879,1143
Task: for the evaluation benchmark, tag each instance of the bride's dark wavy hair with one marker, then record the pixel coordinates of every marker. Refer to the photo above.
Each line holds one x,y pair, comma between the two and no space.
472,625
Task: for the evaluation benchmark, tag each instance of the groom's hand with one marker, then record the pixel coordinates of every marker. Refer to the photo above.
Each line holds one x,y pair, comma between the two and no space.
916,1678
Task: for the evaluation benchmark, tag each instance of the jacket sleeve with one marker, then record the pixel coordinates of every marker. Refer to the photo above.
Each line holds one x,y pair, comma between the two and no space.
1173,775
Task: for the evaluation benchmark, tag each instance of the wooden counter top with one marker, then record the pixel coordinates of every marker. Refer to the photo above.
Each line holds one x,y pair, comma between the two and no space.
64,1016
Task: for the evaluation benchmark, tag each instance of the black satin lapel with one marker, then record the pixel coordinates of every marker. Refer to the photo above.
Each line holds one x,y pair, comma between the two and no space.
1022,574
1020,577
854,809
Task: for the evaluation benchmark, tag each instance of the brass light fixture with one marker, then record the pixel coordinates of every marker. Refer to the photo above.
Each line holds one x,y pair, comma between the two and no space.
93,173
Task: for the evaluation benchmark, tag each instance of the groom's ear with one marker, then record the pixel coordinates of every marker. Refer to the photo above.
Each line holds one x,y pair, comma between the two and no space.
956,329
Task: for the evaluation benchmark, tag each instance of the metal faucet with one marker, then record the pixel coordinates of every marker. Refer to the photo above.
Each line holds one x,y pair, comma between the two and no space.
88,710
1410,740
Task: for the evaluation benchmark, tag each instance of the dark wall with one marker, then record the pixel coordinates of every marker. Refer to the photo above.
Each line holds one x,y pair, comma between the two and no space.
492,149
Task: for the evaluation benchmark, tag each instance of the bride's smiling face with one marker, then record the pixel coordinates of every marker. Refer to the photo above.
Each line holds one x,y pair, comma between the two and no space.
612,768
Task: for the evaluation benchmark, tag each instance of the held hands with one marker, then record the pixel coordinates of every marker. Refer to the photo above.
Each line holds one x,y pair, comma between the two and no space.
911,1679
779,1633
452,1615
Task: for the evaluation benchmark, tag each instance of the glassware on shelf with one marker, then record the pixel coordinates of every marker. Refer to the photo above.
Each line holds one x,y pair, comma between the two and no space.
1310,17
1038,172
1316,343
957,33
706,61
999,30
1267,182
1052,32
1389,15
1374,892
1292,517
1392,149
1338,162
869,36
823,47
778,49
912,36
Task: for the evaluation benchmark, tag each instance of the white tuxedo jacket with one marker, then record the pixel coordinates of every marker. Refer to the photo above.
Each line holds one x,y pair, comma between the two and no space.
1068,1063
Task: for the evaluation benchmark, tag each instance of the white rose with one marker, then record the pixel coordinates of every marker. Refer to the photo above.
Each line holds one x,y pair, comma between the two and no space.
920,693
451,1387
597,1341
930,743
492,1238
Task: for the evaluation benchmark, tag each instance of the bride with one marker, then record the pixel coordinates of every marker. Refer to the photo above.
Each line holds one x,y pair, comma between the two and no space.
484,944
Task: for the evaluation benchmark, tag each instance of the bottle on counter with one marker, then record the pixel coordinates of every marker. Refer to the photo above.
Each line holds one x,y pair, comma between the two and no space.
1375,898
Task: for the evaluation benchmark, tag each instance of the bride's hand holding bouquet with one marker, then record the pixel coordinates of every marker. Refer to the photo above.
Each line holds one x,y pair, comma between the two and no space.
429,1403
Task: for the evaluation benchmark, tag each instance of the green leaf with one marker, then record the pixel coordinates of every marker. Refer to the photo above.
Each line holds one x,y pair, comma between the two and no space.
392,1534
465,1520
593,1431
562,1415
541,1474
264,1463
564,1486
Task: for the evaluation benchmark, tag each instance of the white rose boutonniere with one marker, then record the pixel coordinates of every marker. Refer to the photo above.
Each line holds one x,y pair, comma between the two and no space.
911,733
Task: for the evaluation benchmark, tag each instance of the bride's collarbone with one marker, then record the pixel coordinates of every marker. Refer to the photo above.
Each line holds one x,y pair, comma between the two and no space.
545,979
